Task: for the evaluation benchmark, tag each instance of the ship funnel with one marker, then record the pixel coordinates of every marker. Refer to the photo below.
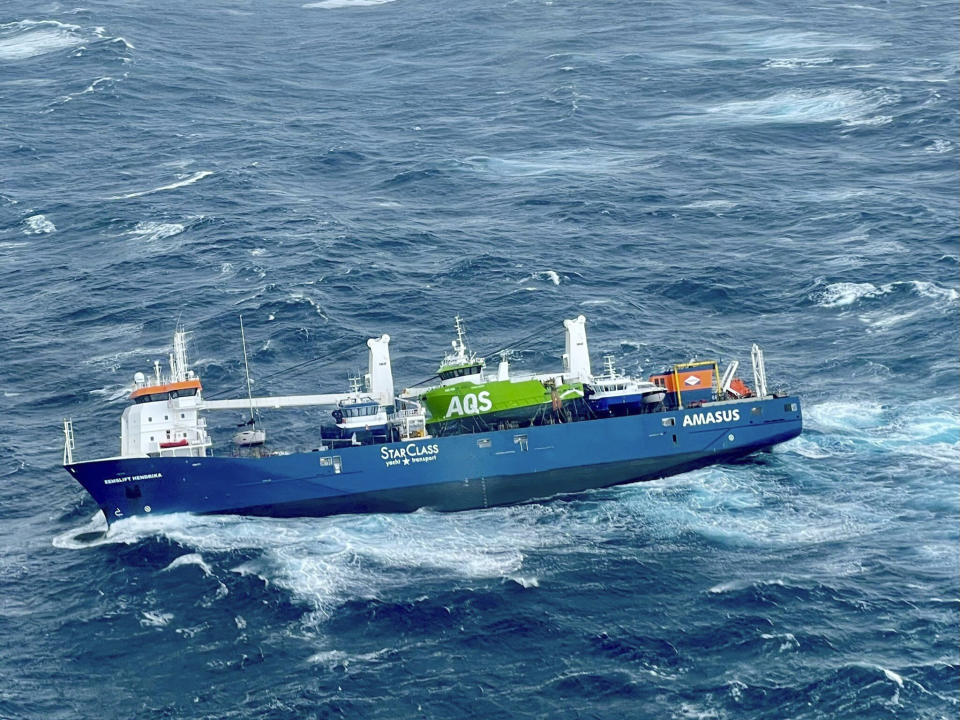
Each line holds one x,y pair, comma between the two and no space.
577,356
381,376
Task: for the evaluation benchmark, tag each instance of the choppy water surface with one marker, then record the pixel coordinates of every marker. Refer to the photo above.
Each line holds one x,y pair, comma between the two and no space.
693,178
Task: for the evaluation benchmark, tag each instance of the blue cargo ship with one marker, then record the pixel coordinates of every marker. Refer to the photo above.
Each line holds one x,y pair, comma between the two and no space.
380,457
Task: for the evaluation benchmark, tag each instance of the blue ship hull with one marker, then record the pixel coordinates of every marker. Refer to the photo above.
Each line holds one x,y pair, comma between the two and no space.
459,472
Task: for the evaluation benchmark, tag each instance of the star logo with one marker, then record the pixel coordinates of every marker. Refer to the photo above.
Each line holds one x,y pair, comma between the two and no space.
406,461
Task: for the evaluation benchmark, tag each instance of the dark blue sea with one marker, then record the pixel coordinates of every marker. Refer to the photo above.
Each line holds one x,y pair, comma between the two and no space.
692,177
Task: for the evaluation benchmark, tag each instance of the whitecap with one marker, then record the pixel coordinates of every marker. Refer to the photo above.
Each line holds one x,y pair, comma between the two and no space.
892,676
844,293
113,393
153,231
190,559
197,176
940,145
550,275
95,84
526,582
38,225
155,618
787,640
301,298
932,290
32,38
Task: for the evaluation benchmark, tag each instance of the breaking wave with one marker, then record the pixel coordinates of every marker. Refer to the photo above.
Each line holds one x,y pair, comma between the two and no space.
30,38
153,231
197,176
844,294
38,225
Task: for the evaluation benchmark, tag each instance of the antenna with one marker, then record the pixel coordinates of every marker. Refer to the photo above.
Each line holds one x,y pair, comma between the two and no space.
459,345
246,367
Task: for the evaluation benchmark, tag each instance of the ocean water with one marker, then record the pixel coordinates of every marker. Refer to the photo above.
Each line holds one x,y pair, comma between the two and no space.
691,177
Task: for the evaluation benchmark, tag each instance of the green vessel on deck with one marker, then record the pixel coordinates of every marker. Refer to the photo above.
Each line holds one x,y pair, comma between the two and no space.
466,400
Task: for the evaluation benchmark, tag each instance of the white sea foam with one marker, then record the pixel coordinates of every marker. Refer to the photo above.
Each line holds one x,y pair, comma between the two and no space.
334,4
38,225
526,582
717,204
154,231
844,415
30,38
301,298
95,84
805,447
197,176
796,63
844,293
325,561
580,161
787,640
155,618
190,559
940,145
759,42
849,107
892,676
113,392
550,275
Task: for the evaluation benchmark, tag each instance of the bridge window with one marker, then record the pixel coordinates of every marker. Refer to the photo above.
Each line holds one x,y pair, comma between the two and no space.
460,372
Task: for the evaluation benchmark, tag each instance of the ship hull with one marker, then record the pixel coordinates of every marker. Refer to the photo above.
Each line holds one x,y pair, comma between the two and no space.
453,473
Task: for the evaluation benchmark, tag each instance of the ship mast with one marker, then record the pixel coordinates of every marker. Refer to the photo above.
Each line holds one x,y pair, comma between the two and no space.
246,368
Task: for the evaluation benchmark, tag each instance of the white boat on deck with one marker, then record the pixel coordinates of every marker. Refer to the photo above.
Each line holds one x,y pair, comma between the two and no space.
616,394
